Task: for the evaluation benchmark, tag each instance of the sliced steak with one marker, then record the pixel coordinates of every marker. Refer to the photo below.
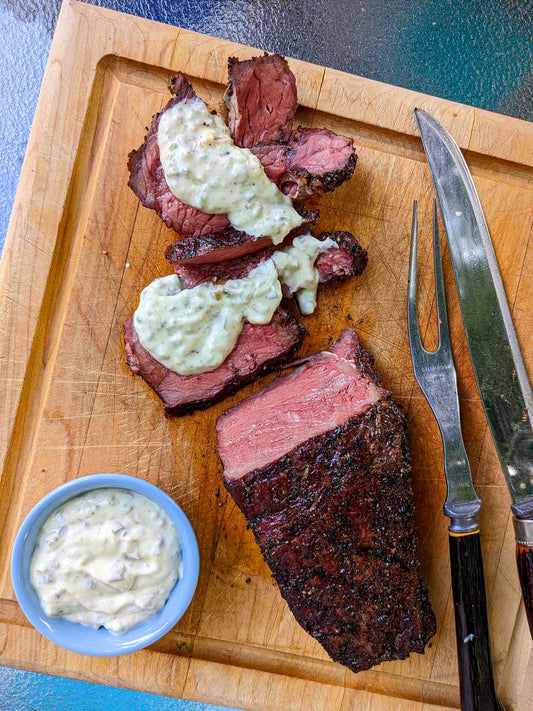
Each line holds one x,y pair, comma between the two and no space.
350,259
318,464
260,349
261,99
228,244
183,218
147,178
313,162
144,162
142,165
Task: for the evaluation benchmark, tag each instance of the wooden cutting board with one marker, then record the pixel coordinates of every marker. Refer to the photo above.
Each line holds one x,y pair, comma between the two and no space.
79,250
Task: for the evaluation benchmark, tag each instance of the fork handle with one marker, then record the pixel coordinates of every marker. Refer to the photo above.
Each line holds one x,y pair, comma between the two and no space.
524,560
478,692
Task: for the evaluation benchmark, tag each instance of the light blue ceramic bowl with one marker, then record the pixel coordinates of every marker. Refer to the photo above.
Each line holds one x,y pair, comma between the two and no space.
86,640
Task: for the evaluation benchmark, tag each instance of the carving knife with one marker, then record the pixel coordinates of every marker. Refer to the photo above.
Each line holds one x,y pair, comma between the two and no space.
498,364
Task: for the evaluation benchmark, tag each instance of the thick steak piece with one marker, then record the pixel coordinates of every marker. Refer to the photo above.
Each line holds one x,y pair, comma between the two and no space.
318,464
260,349
349,259
261,99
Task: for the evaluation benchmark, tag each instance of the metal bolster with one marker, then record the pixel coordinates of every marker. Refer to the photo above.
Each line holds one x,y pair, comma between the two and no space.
463,525
523,529
463,516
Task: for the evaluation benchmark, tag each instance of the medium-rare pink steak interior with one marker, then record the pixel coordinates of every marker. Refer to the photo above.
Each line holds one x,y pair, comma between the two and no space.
261,98
318,463
313,161
260,349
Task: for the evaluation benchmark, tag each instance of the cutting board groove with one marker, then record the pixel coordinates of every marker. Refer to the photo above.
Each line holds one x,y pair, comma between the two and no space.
79,250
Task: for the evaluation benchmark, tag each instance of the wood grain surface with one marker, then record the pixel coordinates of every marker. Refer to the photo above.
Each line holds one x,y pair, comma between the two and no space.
79,250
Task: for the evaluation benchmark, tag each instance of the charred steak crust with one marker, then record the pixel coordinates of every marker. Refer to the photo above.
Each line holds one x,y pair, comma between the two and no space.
349,244
228,244
182,395
334,521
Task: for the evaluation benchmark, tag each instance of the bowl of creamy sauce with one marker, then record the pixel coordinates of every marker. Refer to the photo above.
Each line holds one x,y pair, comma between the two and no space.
105,564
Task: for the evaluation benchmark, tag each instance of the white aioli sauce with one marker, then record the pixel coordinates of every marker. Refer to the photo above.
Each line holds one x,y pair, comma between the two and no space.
296,268
193,331
204,168
108,558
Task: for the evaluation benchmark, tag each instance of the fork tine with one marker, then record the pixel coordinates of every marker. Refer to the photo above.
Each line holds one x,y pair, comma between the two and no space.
442,312
412,309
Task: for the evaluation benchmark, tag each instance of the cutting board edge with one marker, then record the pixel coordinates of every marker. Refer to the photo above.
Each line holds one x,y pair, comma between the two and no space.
68,19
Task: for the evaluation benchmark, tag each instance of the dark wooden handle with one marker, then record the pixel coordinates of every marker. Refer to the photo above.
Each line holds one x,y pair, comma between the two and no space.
476,680
524,561
523,528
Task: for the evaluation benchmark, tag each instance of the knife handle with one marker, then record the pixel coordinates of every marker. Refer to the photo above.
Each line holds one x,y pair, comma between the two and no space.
478,692
524,560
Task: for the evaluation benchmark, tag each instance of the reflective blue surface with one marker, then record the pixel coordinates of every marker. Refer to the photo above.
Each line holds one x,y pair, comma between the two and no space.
24,691
475,51
86,640
478,52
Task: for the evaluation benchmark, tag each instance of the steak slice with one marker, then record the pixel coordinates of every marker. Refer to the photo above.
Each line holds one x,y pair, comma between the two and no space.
147,178
318,464
313,162
228,244
261,99
349,259
143,163
260,349
185,219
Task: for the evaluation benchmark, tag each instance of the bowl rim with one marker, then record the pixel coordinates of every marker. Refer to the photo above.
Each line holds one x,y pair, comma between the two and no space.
149,631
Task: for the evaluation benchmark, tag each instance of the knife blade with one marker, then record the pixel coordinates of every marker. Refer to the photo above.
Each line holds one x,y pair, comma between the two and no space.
498,364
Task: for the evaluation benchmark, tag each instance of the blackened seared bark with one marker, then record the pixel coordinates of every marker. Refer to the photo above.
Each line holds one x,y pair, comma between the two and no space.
261,99
259,350
333,516
228,243
334,521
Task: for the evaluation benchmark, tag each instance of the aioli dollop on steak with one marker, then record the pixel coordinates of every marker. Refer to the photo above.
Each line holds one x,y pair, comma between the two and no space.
318,463
303,163
259,350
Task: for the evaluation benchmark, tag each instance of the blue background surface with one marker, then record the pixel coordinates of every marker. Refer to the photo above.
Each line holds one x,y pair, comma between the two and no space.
479,52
